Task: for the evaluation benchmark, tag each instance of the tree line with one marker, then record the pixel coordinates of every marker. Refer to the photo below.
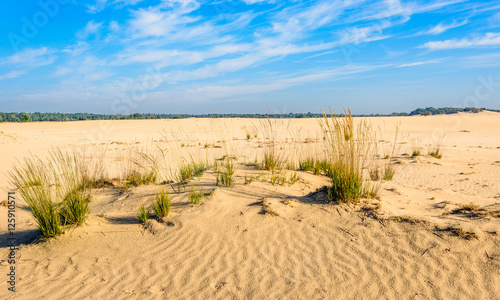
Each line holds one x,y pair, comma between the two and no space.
65,117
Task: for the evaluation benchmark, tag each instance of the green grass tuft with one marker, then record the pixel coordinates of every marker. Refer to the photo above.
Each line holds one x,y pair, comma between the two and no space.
143,215
161,205
195,197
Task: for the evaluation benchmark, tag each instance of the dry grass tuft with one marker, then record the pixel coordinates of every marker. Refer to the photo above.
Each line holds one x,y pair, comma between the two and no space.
348,147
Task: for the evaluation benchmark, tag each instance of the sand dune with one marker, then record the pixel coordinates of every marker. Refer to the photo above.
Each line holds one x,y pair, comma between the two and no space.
229,248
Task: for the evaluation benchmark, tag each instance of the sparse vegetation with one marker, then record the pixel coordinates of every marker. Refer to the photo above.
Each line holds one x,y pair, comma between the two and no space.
57,189
436,153
224,177
195,197
76,206
460,232
248,179
161,205
348,146
389,172
294,177
143,215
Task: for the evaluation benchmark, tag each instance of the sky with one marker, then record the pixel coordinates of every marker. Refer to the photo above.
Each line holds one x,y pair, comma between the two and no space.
248,56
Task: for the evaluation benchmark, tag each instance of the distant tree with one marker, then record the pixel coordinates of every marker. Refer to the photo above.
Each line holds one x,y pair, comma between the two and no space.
177,117
12,118
82,118
25,118
1,119
55,118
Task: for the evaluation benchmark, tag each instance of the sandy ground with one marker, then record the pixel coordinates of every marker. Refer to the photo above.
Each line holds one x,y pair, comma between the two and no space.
228,248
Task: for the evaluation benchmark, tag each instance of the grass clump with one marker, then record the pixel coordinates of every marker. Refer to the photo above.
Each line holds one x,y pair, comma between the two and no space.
161,205
307,164
143,215
56,189
136,178
225,176
436,153
347,186
248,180
460,232
416,152
348,146
375,174
190,170
195,197
389,172
271,161
294,178
76,206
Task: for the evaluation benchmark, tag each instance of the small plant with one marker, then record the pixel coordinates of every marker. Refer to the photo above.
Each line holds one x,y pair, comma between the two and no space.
375,174
291,166
161,205
347,185
143,215
198,168
249,136
282,180
76,206
294,178
436,153
185,172
196,197
225,177
416,152
307,164
468,235
318,167
274,179
271,161
389,173
136,178
266,209
248,180
371,191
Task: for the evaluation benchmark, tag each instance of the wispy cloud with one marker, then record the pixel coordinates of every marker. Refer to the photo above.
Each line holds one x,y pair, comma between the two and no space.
92,28
442,27
12,74
418,63
99,5
489,39
30,58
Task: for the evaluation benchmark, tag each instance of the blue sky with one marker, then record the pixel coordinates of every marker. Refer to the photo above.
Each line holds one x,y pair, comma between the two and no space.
187,56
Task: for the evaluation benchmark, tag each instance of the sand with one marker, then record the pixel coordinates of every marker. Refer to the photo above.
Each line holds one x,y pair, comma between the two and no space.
228,248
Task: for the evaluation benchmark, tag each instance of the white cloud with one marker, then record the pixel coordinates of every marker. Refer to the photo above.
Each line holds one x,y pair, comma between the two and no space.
31,58
490,39
419,63
90,29
249,2
495,20
442,27
12,74
99,5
